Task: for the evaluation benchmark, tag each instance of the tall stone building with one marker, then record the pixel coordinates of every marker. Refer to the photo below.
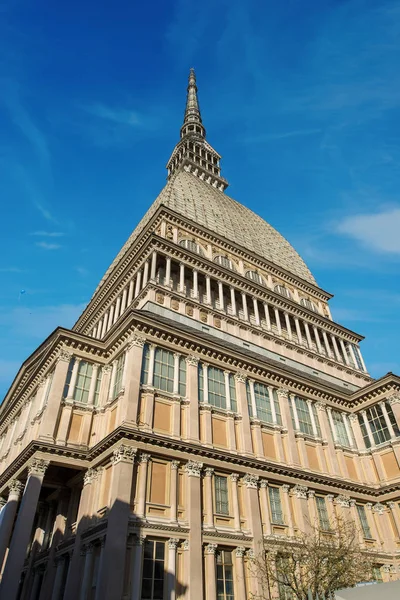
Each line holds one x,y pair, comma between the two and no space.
204,403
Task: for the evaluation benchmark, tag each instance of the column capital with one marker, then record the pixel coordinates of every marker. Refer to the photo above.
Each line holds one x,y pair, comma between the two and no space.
144,457
283,393
193,468
342,500
209,472
211,548
234,477
352,417
136,339
90,476
321,406
107,369
330,497
264,483
394,398
123,453
240,377
185,545
38,466
286,488
192,360
300,491
311,494
391,505
240,552
251,480
378,508
64,354
175,465
15,487
368,505
173,543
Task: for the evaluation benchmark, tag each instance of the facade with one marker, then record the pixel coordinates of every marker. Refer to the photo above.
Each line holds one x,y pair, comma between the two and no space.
204,403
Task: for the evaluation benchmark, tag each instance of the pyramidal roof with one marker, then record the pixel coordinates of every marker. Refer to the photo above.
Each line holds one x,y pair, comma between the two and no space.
195,190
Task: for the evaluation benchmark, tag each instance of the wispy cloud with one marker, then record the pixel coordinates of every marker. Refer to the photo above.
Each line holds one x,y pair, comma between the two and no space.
51,234
82,271
46,214
378,231
283,135
11,270
47,246
119,115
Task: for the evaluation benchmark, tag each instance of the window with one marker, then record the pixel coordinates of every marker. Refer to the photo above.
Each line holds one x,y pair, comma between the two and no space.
275,505
118,375
304,416
153,570
323,517
263,403
224,576
308,304
224,261
358,357
163,370
283,291
145,364
377,574
221,495
232,392
341,432
217,387
377,423
182,376
84,377
254,276
192,246
363,520
97,388
285,593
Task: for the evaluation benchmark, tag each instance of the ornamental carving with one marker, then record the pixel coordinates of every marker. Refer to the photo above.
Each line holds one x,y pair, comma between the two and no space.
378,508
107,369
240,377
353,418
192,360
136,340
203,316
15,487
209,472
89,476
300,491
211,548
160,298
234,477
175,465
240,552
321,406
264,483
189,310
283,393
394,398
185,545
251,480
144,458
125,453
173,543
342,500
193,468
38,467
175,304
64,355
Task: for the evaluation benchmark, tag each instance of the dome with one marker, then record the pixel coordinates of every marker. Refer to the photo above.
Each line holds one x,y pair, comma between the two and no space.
211,208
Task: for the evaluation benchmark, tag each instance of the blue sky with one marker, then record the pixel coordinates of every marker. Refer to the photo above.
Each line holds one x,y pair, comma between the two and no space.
301,99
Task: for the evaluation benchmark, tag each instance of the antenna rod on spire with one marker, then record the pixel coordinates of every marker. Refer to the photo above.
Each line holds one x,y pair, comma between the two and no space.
192,122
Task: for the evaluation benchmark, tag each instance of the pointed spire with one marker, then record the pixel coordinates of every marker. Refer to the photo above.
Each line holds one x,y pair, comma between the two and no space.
192,123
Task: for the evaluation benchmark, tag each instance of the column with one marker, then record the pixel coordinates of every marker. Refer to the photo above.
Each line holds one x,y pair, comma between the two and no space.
278,321
244,305
153,266
235,501
208,289
111,317
174,491
246,441
312,417
256,312
317,339
22,530
396,516
112,381
355,425
221,295
142,480
38,571
299,492
387,420
287,510
327,437
368,428
265,506
283,397
336,349
93,382
240,586
208,481
353,356
138,284
146,273
326,343
195,284
253,510
348,429
105,322
129,403
130,292
211,576
52,410
176,373
343,347
371,521
87,552
167,280
117,309
233,301
111,578
192,392
171,574
15,488
272,405
394,401
123,300
298,331
312,509
150,373
267,317
227,390
294,410
308,335
136,567
195,567
60,566
332,424
74,375
288,326
253,398
182,278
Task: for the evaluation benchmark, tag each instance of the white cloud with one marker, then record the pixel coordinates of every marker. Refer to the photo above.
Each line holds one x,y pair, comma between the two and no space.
48,233
47,246
121,116
379,231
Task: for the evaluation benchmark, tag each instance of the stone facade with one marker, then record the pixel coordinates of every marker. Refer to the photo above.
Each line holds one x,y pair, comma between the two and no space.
204,404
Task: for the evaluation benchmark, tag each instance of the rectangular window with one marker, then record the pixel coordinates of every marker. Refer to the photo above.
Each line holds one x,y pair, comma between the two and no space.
144,375
392,419
216,387
364,431
340,428
201,382
277,407
118,375
232,392
97,388
377,574
323,517
377,423
84,377
263,404
275,505
363,520
153,570
182,376
163,378
225,576
221,495
304,417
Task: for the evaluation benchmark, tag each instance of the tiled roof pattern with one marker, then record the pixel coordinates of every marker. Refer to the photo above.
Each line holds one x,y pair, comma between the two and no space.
205,205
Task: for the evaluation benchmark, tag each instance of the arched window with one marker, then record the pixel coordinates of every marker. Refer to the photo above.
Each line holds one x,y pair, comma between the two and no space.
224,261
192,246
308,304
254,276
283,291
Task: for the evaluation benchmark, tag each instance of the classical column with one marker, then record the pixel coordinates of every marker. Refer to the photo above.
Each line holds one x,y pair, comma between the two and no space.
368,428
267,317
308,335
195,284
345,355
211,576
130,292
208,482
150,374
317,339
182,278
355,425
298,330
111,579
283,397
233,300
142,479
294,410
123,300
244,306
394,401
171,574
105,323
153,266
253,399
353,356
246,441
396,516
74,375
138,284
15,488
288,326
272,405
167,280
278,321
240,587
235,501
312,508
192,392
326,343
129,403
60,566
193,471
348,429
327,436
146,273
253,510
265,507
52,409
286,503
371,521
221,295
256,312
387,420
174,491
87,552
208,289
332,424
92,387
336,349
136,567
22,530
175,389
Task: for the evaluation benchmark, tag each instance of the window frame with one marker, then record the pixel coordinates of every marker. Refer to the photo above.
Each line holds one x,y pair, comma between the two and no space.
221,495
154,560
